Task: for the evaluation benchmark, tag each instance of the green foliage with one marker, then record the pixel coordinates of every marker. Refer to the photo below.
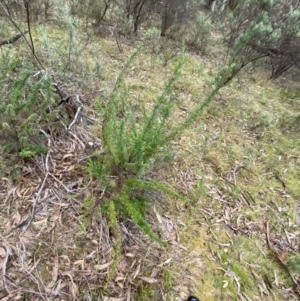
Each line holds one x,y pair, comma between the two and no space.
4,29
25,98
293,264
224,76
86,213
31,150
198,34
147,292
264,29
133,145
168,279
63,50
116,231
131,149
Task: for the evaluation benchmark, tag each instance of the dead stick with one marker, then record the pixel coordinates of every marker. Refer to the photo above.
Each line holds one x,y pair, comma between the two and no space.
12,39
280,261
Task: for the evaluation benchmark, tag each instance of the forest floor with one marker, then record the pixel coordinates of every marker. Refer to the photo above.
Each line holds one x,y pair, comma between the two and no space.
239,165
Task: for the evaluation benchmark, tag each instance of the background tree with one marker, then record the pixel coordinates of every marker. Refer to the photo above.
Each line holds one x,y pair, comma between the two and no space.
40,10
139,10
268,29
172,12
91,10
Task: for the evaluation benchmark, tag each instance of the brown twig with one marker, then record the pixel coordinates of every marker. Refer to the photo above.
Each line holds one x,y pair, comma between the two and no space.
73,135
29,26
280,261
280,180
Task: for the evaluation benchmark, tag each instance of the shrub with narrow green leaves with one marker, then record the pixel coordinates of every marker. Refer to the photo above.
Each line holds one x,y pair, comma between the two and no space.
23,108
131,148
263,30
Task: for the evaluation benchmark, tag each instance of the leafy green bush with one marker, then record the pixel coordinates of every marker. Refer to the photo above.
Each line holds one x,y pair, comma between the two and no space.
266,30
23,108
131,148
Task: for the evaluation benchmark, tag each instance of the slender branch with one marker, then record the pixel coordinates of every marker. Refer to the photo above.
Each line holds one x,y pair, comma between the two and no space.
244,64
8,15
28,26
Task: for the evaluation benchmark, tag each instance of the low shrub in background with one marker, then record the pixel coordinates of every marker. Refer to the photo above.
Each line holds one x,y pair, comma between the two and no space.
23,108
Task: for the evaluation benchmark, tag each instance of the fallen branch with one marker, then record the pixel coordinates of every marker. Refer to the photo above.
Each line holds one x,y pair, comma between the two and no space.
79,105
12,39
280,262
73,135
